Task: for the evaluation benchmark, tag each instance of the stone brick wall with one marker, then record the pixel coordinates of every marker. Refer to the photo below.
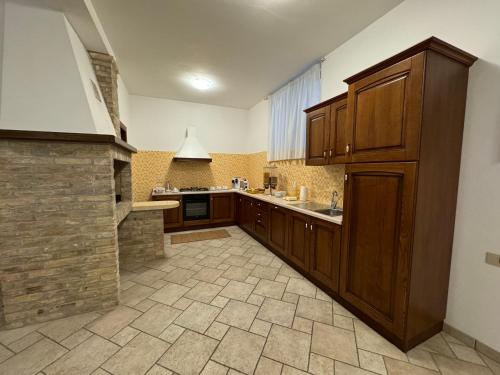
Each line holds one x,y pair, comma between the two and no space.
106,72
58,233
140,238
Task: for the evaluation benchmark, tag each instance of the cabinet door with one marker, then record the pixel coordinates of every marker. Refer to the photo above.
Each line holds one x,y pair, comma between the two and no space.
325,252
338,132
317,130
384,113
278,229
173,218
298,240
248,214
221,208
376,240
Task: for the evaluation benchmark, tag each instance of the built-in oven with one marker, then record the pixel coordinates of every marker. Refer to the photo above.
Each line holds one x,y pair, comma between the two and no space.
196,207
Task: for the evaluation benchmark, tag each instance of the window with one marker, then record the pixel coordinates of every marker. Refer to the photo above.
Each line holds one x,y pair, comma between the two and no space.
287,130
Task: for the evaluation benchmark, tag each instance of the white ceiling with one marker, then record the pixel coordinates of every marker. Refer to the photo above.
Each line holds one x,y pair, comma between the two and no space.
248,47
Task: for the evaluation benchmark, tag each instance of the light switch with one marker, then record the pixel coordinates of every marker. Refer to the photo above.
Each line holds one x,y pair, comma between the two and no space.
493,259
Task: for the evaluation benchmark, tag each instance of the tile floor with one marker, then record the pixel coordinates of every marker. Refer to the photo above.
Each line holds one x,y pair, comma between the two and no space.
224,306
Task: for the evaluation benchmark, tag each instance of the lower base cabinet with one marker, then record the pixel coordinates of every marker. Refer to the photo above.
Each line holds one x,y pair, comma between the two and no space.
298,240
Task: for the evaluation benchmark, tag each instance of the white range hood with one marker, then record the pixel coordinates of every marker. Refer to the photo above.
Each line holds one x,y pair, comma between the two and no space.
191,149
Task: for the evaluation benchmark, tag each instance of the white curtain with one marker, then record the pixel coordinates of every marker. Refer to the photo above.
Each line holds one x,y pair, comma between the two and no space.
287,130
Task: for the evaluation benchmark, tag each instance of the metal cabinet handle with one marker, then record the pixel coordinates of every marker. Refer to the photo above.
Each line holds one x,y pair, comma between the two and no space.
324,154
347,148
331,151
306,225
311,227
345,177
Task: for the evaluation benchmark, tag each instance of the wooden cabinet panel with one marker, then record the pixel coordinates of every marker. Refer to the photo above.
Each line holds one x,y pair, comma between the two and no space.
338,131
376,240
325,252
247,214
278,229
221,208
298,240
317,130
172,218
384,113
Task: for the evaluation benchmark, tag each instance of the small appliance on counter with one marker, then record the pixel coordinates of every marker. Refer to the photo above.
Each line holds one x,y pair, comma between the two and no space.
239,183
159,190
303,193
270,178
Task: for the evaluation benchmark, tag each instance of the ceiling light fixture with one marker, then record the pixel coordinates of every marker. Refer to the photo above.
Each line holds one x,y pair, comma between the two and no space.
201,83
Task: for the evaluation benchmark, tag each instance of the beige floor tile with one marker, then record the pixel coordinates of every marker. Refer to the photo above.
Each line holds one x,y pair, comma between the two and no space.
220,301
179,275
395,367
213,368
84,359
239,350
236,273
282,279
315,309
263,272
59,329
223,266
184,262
24,342
287,370
238,314
145,305
159,284
277,312
183,303
236,260
466,354
155,320
371,341
493,365
422,358
33,359
203,292
126,284
113,322
11,335
302,325
437,344
210,261
263,260
451,366
169,294
372,362
198,316
158,370
288,346
270,289
255,299
341,310
335,343
267,366
149,277
345,369
189,354
217,330
136,294
5,353
252,280
76,338
320,365
222,281
290,297
137,356
172,333
123,337
237,290
208,275
288,271
322,295
342,321
302,287
191,283
260,327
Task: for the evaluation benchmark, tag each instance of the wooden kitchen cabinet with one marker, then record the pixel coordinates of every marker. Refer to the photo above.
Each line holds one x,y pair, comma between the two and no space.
221,208
172,218
247,215
278,229
377,226
324,250
298,240
326,131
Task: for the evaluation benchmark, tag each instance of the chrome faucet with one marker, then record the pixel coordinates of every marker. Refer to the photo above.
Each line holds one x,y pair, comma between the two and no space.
335,199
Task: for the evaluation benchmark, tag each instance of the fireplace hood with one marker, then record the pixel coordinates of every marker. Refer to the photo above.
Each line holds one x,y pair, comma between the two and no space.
191,149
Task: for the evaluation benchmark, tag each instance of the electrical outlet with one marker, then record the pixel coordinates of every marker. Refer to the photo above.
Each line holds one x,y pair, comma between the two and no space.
493,259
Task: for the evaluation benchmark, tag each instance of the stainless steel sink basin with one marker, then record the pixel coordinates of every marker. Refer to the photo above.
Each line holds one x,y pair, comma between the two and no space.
330,212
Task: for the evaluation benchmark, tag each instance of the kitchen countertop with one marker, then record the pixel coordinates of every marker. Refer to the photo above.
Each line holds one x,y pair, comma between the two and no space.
154,205
302,207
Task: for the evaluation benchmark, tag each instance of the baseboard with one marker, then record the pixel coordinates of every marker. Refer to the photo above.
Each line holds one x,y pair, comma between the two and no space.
472,342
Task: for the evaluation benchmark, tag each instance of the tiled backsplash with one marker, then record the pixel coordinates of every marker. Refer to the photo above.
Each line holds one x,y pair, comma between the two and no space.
155,168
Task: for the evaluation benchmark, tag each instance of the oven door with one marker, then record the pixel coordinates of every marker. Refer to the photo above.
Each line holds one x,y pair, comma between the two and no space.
196,207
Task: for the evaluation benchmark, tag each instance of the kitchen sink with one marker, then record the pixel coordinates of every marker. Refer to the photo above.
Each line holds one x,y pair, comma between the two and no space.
330,212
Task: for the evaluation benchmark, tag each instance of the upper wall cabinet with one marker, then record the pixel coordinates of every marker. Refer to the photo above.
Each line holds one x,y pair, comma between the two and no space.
326,132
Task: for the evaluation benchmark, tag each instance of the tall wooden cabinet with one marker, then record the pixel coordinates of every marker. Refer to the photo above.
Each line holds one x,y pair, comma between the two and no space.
404,127
326,131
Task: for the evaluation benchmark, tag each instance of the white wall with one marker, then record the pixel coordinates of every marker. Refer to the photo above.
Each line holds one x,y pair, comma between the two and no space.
123,103
258,119
160,124
46,75
473,303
